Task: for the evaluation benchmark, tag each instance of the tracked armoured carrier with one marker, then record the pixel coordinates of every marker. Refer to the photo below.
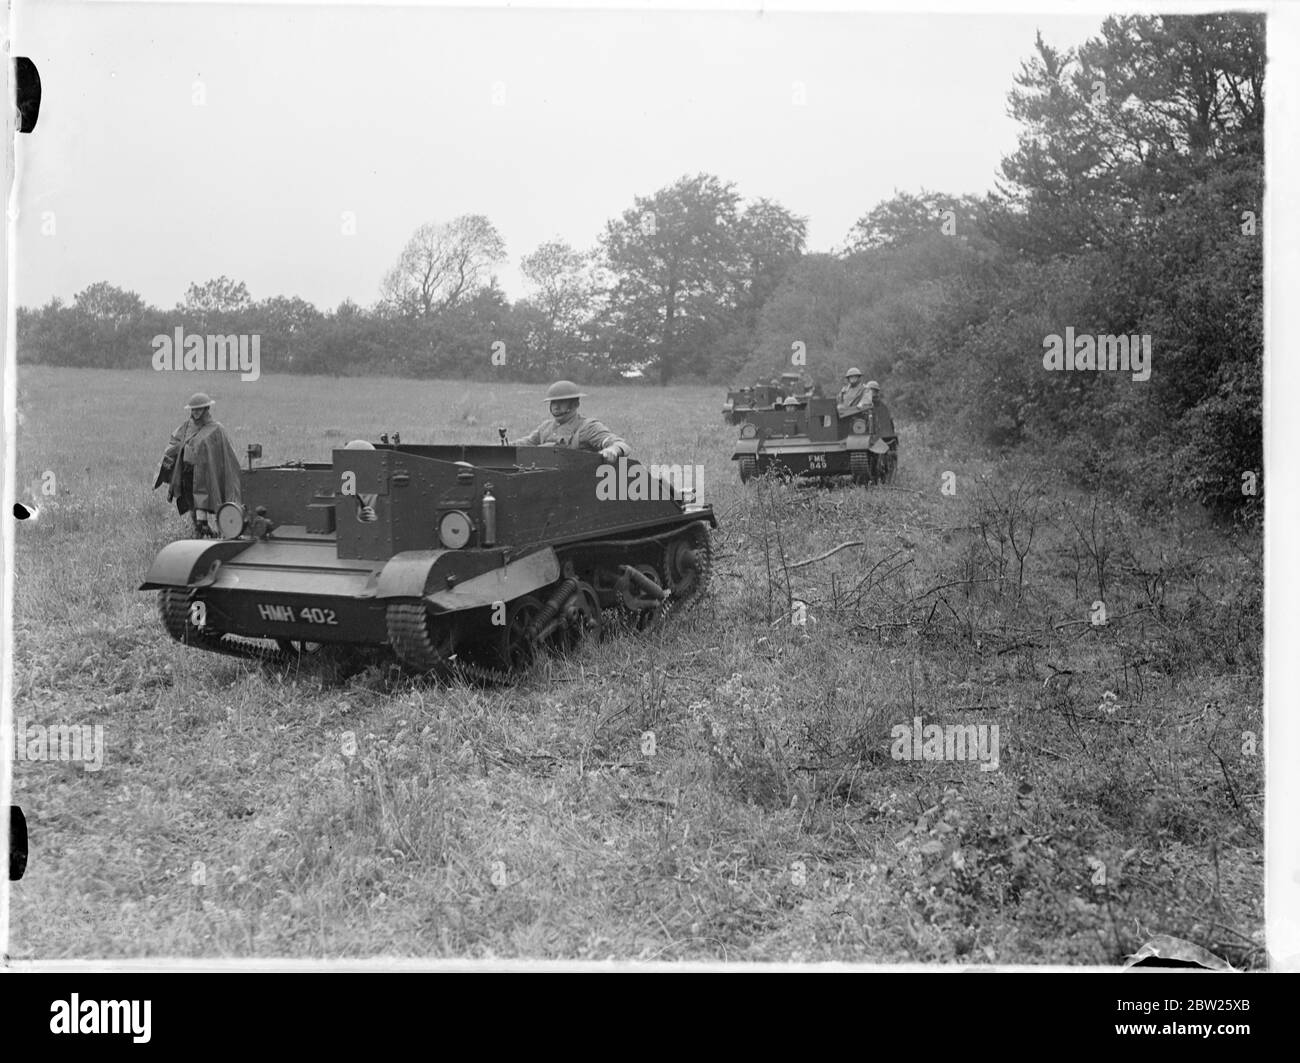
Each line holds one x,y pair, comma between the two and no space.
816,438
456,558
743,401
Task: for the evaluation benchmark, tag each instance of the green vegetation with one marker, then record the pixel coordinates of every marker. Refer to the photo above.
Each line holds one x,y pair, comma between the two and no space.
234,817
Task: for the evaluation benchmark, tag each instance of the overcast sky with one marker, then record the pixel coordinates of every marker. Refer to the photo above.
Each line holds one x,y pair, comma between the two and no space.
177,143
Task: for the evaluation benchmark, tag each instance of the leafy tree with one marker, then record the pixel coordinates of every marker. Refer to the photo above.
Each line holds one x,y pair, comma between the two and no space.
1187,86
1142,153
49,335
675,261
556,270
443,264
556,316
688,266
286,325
108,305
1128,119
218,296
105,326
906,218
808,307
770,240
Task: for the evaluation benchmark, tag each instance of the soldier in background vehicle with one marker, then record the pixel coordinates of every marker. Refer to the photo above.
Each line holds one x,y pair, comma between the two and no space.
568,428
852,393
790,393
879,420
880,426
200,467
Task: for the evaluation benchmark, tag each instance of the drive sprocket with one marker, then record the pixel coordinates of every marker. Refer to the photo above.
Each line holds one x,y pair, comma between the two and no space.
411,635
687,564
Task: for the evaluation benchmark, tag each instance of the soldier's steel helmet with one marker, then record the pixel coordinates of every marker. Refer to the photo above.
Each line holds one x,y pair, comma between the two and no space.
359,444
853,372
197,401
872,384
564,389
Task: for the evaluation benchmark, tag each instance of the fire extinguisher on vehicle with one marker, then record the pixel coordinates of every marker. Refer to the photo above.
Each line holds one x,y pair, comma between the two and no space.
489,516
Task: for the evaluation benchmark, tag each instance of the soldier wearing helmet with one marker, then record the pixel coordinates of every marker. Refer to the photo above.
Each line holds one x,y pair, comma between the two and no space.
872,388
365,503
880,420
568,428
852,393
880,428
200,467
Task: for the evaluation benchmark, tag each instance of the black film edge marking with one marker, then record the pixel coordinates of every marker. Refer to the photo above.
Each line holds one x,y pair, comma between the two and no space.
27,82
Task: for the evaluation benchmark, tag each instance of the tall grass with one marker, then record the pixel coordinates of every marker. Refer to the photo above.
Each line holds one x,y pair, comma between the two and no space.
248,811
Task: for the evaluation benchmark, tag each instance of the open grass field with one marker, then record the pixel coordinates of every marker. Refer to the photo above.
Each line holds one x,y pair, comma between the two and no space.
769,819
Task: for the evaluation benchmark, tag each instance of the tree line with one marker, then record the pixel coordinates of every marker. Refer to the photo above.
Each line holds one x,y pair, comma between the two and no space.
678,277
1131,206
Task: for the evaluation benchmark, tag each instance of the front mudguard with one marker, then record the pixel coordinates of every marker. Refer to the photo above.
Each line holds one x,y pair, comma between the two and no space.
191,562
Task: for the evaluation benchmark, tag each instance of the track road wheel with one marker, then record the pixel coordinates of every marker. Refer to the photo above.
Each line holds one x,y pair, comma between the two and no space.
514,651
581,615
687,564
860,467
639,610
748,469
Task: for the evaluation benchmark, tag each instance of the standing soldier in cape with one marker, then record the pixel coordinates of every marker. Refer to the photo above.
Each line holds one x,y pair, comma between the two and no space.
200,467
568,428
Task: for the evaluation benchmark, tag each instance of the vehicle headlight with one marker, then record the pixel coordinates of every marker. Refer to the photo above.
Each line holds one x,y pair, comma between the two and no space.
454,530
859,426
230,520
748,432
